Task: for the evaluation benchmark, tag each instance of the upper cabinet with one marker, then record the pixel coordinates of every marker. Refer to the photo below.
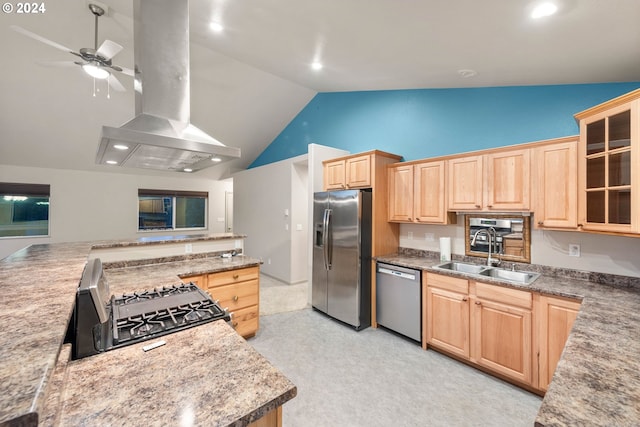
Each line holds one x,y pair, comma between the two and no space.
555,184
349,172
608,172
497,181
417,192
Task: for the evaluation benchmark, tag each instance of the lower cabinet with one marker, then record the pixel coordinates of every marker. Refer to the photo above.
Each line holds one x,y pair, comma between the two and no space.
501,330
239,291
515,333
271,419
555,320
448,314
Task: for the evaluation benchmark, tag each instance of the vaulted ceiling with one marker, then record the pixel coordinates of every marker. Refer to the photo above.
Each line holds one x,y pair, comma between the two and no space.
249,80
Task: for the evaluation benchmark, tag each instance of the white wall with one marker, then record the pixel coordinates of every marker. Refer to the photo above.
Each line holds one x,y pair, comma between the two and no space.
299,221
261,197
88,206
599,252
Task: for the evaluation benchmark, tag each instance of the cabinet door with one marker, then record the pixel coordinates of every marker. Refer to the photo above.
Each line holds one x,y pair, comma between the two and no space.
607,199
556,185
555,320
401,193
334,175
465,183
199,281
508,181
358,172
448,321
501,339
429,194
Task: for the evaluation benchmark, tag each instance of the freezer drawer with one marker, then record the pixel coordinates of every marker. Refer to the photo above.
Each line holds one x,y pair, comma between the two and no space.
398,300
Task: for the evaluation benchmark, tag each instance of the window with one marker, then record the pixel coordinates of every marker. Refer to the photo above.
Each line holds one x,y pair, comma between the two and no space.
171,210
24,210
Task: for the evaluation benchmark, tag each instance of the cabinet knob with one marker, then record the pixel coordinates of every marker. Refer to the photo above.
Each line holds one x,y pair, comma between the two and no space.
464,299
478,303
478,206
489,206
540,222
235,276
235,324
235,298
580,225
343,186
409,219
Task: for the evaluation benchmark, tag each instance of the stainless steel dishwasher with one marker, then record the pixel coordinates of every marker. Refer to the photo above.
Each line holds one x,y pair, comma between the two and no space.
398,299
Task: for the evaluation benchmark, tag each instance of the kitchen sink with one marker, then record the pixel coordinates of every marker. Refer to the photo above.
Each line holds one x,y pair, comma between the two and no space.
462,267
521,277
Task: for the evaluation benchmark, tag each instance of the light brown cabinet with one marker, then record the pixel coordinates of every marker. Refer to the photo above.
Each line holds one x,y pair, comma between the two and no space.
239,291
447,314
489,325
352,172
417,192
555,184
609,177
501,330
496,181
555,317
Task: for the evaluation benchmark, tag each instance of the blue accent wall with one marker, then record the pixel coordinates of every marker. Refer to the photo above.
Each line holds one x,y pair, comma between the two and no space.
423,123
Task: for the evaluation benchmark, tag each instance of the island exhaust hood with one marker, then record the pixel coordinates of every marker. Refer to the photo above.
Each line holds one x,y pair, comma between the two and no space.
161,136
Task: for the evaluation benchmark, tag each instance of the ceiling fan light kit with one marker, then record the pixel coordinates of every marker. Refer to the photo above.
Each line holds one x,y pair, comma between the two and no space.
96,61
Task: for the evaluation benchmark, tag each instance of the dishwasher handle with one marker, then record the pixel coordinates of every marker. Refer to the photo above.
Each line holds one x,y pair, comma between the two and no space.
396,273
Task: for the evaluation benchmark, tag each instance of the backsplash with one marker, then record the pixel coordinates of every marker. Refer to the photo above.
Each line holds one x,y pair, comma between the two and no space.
601,278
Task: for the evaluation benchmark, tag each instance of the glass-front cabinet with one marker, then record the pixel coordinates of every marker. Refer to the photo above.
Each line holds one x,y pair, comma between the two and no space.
609,166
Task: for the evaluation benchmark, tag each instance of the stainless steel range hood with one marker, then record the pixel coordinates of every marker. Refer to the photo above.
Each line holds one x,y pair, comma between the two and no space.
161,135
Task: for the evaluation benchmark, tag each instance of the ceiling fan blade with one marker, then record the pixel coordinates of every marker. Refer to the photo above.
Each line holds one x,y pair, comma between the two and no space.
127,71
115,83
108,49
34,36
58,63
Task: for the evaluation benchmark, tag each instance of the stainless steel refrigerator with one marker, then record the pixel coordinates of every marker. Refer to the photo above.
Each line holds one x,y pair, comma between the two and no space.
341,281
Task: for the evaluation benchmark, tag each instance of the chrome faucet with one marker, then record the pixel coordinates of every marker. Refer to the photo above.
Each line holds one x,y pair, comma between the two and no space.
491,238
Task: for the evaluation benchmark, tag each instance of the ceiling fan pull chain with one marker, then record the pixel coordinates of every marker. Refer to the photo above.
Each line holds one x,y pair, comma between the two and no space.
94,87
108,88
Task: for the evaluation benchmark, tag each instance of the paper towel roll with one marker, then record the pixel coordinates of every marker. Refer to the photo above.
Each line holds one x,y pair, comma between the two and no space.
445,249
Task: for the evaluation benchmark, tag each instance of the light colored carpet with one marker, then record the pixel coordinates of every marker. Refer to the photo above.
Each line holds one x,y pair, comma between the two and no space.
279,297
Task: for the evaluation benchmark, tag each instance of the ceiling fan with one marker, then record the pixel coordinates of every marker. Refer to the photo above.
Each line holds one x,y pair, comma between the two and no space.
95,61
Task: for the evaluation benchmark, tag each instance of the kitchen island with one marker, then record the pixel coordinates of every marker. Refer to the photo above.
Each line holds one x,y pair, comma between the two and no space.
206,375
597,381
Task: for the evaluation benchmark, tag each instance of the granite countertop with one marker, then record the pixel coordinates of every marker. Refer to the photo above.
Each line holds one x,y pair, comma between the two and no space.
597,381
38,286
160,240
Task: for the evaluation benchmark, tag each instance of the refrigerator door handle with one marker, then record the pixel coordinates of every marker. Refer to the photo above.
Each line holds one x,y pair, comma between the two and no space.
326,239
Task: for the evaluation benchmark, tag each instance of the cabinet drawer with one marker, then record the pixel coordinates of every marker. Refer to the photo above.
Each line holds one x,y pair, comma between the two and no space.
232,276
503,295
245,320
236,296
454,284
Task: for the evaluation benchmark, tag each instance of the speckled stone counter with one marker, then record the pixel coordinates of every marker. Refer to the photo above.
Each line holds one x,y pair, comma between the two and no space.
164,240
203,376
38,286
597,381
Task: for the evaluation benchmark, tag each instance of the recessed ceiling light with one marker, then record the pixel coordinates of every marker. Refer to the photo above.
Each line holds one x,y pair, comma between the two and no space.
112,162
316,65
216,27
187,170
544,9
121,147
216,159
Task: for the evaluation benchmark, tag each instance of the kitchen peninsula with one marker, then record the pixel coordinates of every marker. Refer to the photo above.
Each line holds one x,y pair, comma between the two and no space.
206,375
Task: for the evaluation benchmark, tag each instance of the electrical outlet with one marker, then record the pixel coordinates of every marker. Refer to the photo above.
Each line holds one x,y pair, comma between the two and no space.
269,261
188,248
429,237
574,250
410,235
